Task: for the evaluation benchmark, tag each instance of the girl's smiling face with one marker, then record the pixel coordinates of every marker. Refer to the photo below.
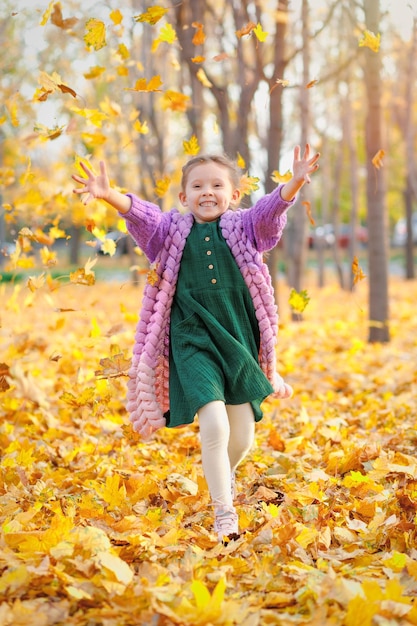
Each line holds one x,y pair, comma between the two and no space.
209,192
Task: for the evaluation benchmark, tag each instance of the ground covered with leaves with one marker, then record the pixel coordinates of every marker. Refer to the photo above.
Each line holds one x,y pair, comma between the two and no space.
98,528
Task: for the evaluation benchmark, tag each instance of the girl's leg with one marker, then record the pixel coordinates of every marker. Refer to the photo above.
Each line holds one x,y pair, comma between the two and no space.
215,433
242,432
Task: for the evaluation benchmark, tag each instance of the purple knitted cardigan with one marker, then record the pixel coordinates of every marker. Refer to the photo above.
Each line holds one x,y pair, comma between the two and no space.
162,237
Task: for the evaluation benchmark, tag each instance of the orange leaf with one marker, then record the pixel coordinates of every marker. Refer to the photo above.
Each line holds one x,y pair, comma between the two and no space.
307,205
357,271
246,30
377,159
199,36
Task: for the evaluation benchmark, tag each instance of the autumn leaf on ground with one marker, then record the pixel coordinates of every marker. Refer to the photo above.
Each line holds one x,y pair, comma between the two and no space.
281,178
199,36
260,34
152,15
370,40
358,274
377,159
191,146
246,30
95,36
154,84
298,300
4,373
307,205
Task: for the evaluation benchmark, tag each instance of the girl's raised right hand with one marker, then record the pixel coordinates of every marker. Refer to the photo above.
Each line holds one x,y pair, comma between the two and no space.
96,186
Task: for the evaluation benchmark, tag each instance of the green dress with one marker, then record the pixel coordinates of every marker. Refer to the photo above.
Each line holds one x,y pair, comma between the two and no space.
214,334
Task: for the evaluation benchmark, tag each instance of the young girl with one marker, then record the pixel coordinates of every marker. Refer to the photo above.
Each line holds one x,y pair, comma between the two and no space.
205,341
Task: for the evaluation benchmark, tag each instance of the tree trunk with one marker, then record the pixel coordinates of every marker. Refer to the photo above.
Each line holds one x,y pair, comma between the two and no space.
375,187
299,214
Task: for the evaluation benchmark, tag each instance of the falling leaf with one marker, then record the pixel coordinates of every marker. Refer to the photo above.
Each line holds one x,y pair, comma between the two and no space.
175,101
246,30
377,159
370,40
57,19
167,34
116,17
191,146
152,276
143,85
261,35
4,373
202,77
162,186
95,36
281,178
358,274
141,127
311,83
248,184
198,59
221,57
113,367
298,300
152,15
199,36
307,205
240,161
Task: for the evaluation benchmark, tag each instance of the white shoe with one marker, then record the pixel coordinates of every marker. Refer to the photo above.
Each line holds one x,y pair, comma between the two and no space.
226,523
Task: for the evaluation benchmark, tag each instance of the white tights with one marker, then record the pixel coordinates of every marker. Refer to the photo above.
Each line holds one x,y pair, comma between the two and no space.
227,433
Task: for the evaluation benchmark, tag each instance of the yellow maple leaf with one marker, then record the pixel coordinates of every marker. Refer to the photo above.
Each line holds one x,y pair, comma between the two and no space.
141,127
112,492
281,178
191,146
152,15
95,36
358,274
116,17
108,247
248,184
377,159
123,51
370,40
175,101
48,257
162,186
143,85
298,300
167,34
260,34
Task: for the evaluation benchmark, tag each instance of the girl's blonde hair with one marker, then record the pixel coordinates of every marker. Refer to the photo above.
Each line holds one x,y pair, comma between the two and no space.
220,159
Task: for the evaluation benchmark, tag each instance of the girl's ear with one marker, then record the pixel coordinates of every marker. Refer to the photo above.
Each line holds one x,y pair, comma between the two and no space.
236,195
183,198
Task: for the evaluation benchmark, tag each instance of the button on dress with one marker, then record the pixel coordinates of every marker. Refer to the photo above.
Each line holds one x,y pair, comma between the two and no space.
214,333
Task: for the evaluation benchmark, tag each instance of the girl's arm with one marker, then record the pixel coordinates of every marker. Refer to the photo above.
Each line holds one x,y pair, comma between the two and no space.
302,168
98,187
